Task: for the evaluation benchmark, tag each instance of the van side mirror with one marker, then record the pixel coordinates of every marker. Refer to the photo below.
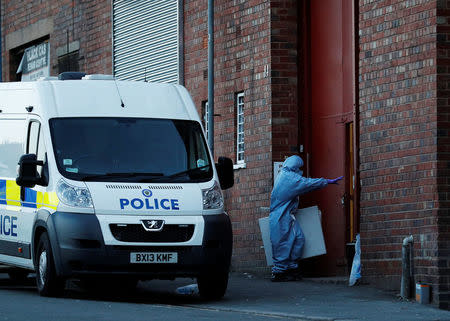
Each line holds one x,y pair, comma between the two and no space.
28,174
225,172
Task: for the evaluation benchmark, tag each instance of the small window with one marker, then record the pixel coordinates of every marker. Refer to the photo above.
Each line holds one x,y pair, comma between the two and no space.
36,143
68,62
240,147
33,137
41,148
205,113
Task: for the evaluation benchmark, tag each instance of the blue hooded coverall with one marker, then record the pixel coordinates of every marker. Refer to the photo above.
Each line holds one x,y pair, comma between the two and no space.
285,232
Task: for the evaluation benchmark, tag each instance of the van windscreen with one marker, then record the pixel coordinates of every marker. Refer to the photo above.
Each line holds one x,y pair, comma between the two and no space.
130,150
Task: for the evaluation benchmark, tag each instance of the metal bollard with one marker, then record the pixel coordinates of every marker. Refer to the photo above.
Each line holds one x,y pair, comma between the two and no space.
407,268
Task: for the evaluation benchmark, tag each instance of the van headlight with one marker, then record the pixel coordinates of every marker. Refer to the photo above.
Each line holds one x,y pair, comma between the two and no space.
212,197
73,196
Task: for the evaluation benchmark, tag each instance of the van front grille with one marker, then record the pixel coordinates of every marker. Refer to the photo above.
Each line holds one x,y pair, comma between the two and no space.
136,233
111,186
123,186
165,187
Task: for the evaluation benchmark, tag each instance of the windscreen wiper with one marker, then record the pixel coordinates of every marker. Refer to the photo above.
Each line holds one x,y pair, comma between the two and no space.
120,175
189,171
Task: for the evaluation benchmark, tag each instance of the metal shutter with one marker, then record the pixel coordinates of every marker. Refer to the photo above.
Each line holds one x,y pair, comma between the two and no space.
145,40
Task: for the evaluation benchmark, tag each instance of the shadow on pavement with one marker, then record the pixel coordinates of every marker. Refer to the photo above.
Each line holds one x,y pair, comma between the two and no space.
148,292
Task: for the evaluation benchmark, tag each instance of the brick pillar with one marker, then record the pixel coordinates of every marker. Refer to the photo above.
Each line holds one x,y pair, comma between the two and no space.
284,78
241,59
403,142
442,288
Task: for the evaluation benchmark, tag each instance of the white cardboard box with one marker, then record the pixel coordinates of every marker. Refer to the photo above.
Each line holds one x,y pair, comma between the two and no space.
310,221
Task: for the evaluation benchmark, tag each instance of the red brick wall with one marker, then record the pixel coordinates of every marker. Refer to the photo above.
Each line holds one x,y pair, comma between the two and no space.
400,124
95,36
284,72
86,21
443,121
242,52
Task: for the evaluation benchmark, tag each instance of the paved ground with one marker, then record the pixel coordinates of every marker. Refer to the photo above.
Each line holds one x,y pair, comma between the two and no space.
311,300
248,298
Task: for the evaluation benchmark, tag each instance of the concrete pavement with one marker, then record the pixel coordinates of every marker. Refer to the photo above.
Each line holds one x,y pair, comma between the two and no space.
248,298
310,299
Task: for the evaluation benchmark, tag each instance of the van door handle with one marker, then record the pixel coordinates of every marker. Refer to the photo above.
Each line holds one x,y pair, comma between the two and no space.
344,199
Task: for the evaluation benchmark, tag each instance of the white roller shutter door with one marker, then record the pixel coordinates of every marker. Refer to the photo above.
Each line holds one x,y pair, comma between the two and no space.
145,40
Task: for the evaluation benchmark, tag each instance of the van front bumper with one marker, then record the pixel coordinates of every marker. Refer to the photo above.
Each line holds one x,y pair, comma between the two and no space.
79,250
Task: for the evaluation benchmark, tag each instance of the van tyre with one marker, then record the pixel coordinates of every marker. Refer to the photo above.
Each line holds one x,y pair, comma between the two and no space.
213,286
48,284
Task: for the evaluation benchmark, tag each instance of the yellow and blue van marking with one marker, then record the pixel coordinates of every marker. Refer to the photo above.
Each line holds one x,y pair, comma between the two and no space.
2,192
10,195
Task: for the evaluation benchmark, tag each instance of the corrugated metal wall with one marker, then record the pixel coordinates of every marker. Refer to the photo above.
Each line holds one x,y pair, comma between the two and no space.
145,40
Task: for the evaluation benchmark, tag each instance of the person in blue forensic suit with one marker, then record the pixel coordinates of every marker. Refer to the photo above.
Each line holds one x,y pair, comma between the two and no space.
285,232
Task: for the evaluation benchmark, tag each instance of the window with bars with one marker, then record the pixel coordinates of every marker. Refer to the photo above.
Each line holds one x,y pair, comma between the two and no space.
69,62
240,147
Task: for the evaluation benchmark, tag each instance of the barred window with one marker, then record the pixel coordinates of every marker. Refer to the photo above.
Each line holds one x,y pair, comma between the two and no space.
240,147
68,62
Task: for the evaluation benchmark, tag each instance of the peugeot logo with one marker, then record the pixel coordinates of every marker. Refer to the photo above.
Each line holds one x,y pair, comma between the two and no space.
152,225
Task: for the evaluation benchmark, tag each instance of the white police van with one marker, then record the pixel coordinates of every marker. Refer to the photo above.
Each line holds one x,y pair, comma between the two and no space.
105,178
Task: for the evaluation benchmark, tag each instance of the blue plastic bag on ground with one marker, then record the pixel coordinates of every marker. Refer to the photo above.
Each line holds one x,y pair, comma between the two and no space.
188,289
355,274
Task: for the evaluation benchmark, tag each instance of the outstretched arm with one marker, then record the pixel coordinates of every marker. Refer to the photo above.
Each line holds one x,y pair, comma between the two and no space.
335,180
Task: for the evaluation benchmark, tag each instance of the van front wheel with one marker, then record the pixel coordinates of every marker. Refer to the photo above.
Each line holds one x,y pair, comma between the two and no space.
48,283
213,286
